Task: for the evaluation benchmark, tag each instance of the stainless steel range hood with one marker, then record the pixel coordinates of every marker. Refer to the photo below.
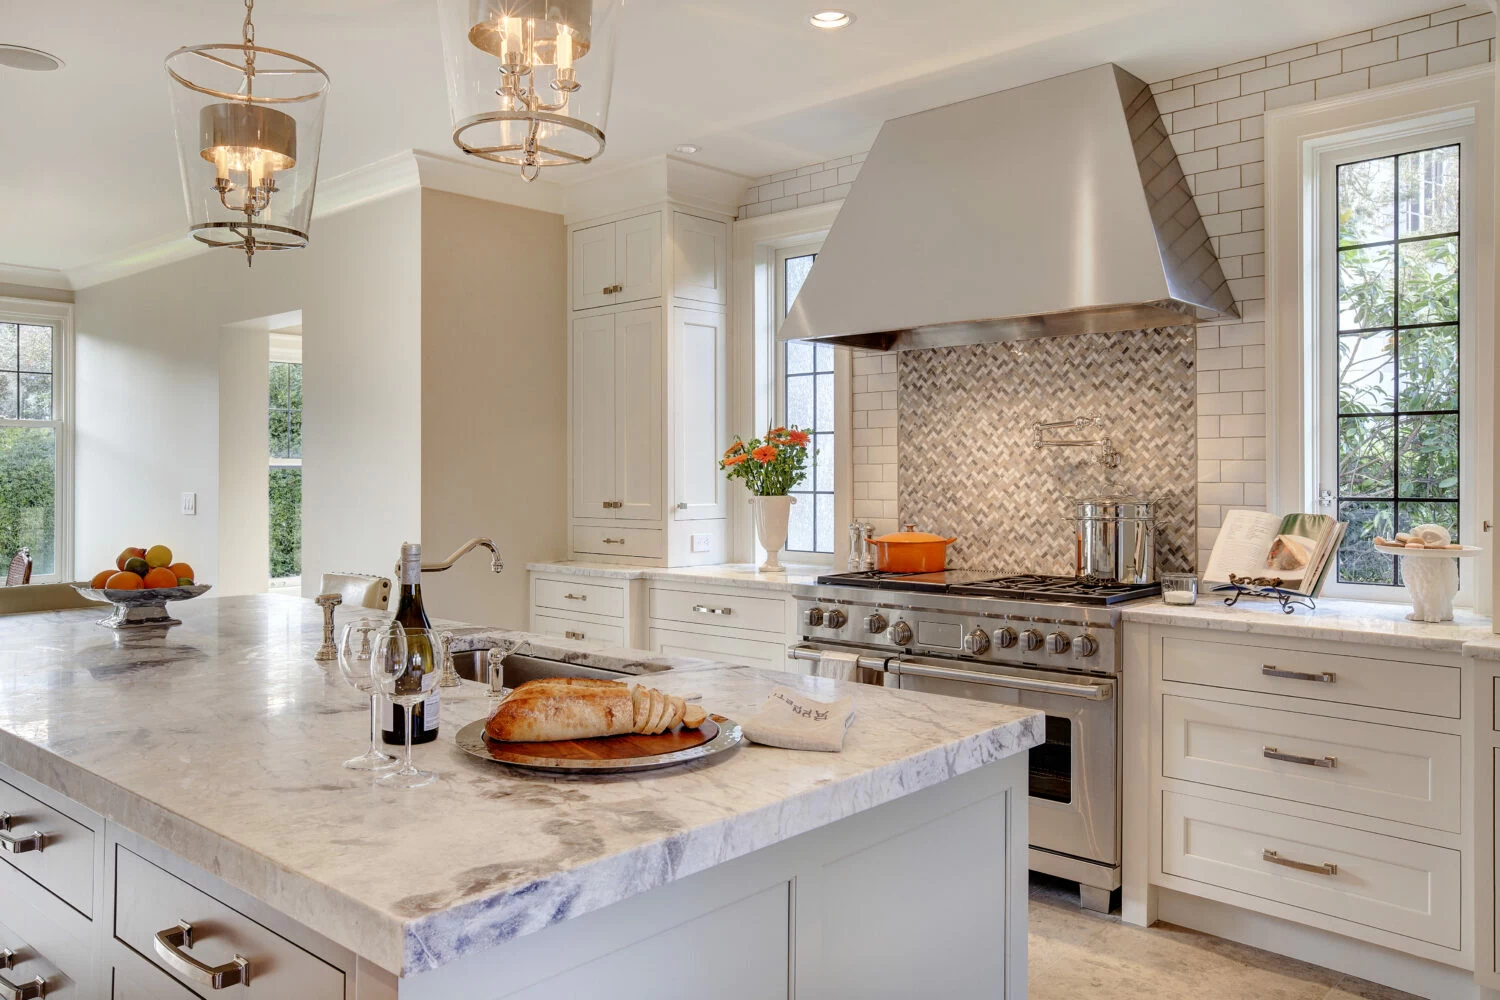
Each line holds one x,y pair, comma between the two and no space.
1054,208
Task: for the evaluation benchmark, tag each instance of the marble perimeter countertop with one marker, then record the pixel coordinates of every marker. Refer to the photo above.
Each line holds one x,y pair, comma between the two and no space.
722,575
149,730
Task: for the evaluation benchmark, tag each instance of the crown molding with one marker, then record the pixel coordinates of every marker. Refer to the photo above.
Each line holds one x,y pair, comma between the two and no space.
475,178
648,182
36,277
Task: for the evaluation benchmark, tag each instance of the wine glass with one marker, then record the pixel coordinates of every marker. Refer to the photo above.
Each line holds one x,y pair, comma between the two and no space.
354,664
405,683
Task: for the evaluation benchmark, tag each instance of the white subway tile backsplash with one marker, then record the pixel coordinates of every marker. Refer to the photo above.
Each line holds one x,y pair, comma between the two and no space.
1242,152
1216,135
1208,159
1344,41
1344,83
1242,107
1216,90
1400,27
1288,55
1217,180
1195,118
1451,14
1241,198
1203,77
1297,93
1396,72
1362,56
797,185
1221,448
1473,54
1313,67
1174,100
1475,29
1416,43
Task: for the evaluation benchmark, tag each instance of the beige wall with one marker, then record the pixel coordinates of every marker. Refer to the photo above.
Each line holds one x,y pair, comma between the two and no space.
147,362
494,399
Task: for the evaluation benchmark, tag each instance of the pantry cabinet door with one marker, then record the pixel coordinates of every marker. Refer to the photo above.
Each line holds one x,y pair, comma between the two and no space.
593,266
593,433
639,405
637,258
700,414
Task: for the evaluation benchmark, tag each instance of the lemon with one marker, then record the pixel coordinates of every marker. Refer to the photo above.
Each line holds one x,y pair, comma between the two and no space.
158,556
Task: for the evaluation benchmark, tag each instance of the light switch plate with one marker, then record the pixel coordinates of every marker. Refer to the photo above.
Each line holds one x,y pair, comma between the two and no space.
702,543
190,503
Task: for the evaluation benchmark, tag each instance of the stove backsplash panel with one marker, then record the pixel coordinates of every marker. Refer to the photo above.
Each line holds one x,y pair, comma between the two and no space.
966,462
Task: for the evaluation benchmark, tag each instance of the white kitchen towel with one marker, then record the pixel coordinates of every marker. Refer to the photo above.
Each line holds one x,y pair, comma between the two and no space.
839,666
794,721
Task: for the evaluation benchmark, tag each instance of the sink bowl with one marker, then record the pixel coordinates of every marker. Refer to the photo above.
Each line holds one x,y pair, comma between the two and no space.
518,668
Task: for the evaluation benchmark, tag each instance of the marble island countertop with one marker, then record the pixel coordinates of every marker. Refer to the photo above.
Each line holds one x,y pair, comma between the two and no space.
153,732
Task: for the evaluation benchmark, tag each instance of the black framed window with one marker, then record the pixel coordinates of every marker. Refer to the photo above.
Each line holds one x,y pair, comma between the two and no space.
808,402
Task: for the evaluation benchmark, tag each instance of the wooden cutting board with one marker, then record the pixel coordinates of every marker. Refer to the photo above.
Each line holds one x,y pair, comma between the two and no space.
627,747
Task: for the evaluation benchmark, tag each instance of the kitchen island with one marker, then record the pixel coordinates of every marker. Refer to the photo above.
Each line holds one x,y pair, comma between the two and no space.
199,770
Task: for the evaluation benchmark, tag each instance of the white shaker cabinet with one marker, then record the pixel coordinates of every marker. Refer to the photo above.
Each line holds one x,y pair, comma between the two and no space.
701,261
617,262
592,377
700,343
617,439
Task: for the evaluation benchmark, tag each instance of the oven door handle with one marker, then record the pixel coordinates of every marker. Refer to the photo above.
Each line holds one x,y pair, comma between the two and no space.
1097,691
813,653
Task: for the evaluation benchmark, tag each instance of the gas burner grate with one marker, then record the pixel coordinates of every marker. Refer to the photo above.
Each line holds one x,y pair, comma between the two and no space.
1057,588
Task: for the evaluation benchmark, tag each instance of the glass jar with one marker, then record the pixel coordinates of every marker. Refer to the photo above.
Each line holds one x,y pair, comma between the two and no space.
1179,588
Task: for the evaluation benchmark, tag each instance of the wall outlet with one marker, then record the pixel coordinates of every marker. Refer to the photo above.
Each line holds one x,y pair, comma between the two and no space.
190,503
702,543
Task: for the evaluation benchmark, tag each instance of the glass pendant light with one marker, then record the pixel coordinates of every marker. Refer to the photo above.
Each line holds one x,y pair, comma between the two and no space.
529,80
249,122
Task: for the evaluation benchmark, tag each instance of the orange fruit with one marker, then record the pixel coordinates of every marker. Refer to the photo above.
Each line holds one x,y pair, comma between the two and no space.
159,577
182,570
123,581
100,578
129,553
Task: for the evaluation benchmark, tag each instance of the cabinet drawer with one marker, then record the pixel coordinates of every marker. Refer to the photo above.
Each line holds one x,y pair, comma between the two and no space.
577,628
1407,775
570,595
65,863
745,652
614,541
137,979
761,614
1425,688
1382,882
44,950
149,900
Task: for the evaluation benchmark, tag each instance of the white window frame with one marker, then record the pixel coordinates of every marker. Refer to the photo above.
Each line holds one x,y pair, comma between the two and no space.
779,257
59,316
284,349
1303,145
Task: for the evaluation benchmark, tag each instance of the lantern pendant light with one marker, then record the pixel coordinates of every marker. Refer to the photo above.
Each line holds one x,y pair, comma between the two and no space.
529,80
249,123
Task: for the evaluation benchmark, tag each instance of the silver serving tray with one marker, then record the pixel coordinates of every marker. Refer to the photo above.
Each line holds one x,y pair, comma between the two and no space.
472,741
141,608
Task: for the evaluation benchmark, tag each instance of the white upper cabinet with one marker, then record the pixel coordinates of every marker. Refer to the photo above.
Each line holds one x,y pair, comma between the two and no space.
700,413
593,391
700,262
639,431
617,262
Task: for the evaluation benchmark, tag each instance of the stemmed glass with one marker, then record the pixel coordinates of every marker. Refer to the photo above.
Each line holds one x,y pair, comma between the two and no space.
354,664
405,683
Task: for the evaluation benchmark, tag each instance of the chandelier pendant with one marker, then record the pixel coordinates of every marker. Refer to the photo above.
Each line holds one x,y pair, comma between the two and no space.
249,125
529,80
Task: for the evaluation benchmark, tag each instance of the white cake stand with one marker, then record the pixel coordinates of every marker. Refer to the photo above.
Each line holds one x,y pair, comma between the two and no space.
1431,578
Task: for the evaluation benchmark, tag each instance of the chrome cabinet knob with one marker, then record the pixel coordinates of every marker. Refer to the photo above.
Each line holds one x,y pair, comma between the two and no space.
976,642
1058,642
835,619
1087,644
815,617
1031,640
875,623
900,633
1005,637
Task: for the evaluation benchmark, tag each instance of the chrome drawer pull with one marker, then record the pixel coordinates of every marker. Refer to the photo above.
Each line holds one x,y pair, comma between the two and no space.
614,541
169,948
576,597
1326,868
22,991
574,635
1291,758
11,844
704,609
1322,677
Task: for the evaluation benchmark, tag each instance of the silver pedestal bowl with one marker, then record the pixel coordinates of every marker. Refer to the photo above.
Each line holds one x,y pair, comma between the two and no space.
141,608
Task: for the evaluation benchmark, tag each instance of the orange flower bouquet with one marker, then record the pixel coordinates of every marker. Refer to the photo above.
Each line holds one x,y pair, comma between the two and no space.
770,467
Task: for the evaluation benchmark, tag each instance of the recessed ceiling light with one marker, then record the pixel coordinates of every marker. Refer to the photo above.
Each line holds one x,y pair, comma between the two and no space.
688,147
831,19
21,57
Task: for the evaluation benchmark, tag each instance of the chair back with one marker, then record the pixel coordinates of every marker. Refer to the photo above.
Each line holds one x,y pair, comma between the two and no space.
357,590
20,569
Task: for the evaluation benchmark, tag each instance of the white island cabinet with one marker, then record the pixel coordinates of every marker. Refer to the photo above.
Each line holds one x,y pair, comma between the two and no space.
174,822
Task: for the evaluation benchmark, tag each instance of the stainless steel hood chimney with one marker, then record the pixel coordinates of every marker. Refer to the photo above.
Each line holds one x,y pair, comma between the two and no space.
1053,208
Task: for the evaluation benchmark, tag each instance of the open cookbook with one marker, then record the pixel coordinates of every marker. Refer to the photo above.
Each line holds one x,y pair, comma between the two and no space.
1297,549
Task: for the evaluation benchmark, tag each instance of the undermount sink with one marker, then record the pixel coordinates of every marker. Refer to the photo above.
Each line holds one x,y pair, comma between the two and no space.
473,665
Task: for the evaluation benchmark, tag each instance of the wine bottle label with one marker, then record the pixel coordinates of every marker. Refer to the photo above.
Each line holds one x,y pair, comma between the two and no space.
431,709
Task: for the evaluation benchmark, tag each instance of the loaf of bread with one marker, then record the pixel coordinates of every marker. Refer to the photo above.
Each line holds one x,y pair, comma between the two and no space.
576,708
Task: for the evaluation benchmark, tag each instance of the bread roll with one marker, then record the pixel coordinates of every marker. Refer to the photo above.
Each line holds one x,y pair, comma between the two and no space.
577,708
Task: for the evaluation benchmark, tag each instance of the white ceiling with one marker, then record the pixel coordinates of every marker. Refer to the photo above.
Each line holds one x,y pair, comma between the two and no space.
89,168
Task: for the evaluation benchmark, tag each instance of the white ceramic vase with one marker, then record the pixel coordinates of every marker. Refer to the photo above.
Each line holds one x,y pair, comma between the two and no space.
771,517
1432,584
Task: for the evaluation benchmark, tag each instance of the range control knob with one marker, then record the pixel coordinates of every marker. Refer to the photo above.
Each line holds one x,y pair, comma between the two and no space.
1087,644
1031,640
875,623
1005,637
900,634
1058,642
976,642
815,617
835,619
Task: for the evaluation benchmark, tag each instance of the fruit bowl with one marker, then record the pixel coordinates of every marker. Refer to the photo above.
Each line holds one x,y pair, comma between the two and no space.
140,608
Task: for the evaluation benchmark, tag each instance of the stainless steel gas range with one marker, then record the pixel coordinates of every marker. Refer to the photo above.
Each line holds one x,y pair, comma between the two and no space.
1050,643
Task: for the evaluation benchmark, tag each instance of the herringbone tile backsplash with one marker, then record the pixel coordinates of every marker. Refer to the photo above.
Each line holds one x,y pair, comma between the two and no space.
968,468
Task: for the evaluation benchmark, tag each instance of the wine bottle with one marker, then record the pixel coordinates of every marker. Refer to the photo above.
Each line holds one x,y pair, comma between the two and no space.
423,658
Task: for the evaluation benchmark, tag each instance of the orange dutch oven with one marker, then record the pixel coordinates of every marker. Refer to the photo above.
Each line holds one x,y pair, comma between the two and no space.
911,551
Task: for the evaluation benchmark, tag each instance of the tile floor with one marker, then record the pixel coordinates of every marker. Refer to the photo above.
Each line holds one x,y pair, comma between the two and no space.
1077,954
